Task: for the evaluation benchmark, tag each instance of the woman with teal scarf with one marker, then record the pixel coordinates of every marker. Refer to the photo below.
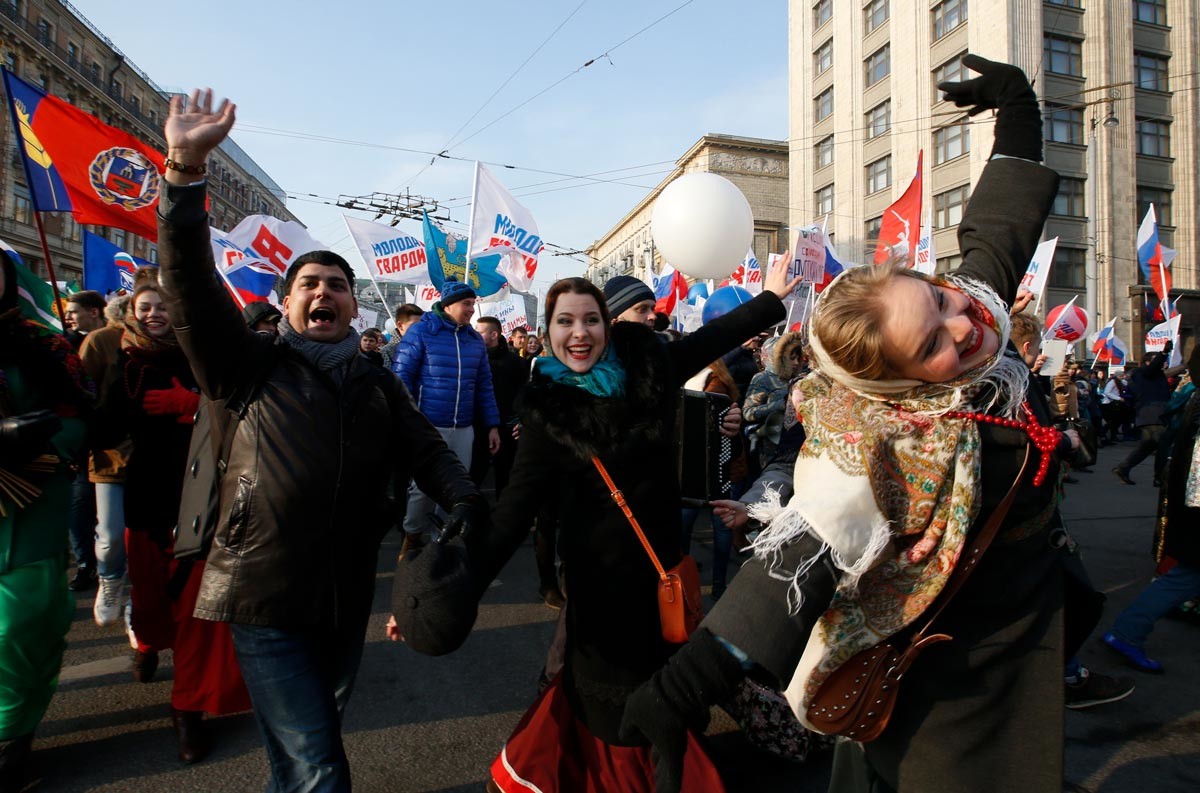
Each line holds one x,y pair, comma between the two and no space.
610,391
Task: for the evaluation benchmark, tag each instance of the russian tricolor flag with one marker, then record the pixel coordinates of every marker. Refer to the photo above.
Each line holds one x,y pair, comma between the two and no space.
252,279
833,267
669,288
1155,262
1101,340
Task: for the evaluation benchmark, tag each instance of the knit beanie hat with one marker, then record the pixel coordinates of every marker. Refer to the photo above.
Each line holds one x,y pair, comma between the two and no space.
258,311
454,290
624,292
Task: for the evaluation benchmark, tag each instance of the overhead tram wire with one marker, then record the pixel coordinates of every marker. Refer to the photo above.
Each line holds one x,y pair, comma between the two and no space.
451,142
604,55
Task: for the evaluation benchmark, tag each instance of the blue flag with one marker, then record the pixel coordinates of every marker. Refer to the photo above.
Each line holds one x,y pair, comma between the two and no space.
448,258
107,268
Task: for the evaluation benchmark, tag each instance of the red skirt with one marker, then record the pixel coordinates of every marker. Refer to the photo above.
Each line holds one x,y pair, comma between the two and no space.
207,677
551,751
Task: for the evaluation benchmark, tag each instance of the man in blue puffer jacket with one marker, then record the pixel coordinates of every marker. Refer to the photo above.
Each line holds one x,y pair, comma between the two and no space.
444,363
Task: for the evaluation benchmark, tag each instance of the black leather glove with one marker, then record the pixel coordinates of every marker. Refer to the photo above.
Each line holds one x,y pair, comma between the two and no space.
468,517
1005,88
25,436
677,698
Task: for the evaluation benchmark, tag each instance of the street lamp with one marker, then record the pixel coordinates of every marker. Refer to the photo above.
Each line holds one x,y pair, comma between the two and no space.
1090,267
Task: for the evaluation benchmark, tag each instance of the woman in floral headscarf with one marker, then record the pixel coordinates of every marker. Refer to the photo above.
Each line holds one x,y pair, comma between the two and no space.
918,419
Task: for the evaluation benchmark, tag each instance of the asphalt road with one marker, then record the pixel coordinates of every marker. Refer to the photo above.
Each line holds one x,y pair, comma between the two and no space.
435,724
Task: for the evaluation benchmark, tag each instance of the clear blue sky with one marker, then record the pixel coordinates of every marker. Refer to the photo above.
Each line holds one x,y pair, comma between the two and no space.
409,74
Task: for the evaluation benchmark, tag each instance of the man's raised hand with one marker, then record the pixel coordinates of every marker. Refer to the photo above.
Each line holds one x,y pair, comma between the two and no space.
193,129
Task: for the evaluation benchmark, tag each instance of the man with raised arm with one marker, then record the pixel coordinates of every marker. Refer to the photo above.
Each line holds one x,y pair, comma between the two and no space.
303,495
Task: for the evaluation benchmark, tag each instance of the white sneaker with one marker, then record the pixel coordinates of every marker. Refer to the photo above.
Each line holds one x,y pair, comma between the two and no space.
133,642
107,610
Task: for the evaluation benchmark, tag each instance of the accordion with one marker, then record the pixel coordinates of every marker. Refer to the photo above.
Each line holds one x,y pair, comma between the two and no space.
704,453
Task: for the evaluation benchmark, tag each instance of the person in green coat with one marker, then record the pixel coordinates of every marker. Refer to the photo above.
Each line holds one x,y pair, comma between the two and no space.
44,399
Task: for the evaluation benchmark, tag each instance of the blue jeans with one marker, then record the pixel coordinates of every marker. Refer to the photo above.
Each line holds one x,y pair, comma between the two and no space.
300,681
1179,585
83,520
110,530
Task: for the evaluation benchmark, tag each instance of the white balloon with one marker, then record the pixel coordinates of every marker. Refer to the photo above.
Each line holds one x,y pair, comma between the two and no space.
703,225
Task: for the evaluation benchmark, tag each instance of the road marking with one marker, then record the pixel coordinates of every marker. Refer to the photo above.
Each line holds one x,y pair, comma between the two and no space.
105,666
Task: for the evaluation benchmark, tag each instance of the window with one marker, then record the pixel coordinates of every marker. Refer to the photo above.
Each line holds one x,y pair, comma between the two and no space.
1062,56
951,142
879,174
94,71
875,14
22,208
948,207
1067,3
824,152
1070,199
871,228
120,238
1067,270
10,61
1152,11
1162,204
72,53
878,64
824,201
879,119
115,89
1154,138
947,15
1063,124
947,263
152,254
1150,71
823,104
45,33
952,71
822,12
823,58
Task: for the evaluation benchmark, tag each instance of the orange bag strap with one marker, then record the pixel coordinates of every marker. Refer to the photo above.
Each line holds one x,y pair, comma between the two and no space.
619,498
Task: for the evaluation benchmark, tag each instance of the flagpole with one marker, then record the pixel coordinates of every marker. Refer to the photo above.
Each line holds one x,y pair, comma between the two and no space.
58,301
471,223
1166,301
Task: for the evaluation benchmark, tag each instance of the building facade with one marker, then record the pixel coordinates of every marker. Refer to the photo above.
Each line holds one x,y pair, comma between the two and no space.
1118,78
49,43
758,167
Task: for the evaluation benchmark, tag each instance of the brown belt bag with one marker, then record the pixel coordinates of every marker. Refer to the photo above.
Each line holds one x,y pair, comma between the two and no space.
857,699
679,606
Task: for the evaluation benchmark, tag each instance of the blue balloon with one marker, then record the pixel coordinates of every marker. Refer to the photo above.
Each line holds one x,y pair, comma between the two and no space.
724,300
698,289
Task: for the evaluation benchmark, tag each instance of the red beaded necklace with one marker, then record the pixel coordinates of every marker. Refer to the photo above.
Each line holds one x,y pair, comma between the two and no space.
1045,439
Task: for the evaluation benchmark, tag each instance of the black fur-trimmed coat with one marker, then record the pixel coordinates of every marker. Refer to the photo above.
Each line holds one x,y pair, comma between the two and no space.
614,640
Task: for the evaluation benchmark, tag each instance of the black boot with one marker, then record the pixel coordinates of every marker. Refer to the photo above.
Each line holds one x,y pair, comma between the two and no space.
14,762
193,737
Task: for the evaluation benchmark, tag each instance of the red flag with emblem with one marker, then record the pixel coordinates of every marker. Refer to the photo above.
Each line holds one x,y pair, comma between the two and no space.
76,163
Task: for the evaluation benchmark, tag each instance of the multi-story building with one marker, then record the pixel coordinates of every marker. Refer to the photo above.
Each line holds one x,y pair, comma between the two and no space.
51,44
758,167
1118,78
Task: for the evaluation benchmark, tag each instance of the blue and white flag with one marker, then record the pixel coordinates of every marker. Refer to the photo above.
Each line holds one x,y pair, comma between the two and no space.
500,224
106,268
448,259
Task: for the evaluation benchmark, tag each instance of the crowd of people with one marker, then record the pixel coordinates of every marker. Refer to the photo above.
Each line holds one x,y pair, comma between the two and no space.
868,458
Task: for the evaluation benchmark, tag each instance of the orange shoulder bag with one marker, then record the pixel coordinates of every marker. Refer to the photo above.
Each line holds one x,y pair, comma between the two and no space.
679,606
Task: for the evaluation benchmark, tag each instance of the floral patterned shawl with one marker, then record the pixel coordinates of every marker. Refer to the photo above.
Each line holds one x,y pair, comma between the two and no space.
890,485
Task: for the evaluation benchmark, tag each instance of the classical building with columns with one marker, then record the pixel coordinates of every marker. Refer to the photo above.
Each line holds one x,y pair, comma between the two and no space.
1118,83
52,45
758,167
